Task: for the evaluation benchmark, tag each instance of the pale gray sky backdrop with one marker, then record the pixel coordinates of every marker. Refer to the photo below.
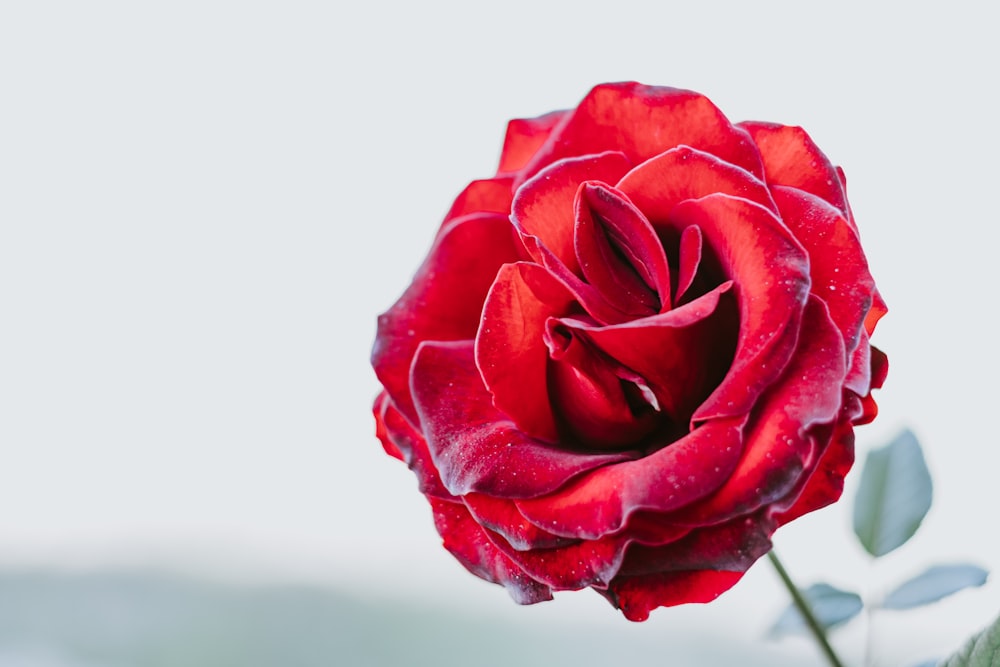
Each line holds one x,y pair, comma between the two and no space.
204,205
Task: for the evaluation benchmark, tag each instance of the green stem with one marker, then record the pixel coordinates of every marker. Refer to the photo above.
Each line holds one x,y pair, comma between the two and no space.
807,613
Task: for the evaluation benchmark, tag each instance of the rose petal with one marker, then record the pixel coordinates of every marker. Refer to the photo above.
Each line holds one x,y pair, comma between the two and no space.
694,349
689,259
589,298
524,137
578,565
600,403
771,273
637,596
859,376
643,121
501,516
390,447
878,310
838,267
880,368
826,483
543,206
599,503
792,158
619,252
444,301
510,346
661,183
779,443
492,195
734,545
411,446
467,542
475,447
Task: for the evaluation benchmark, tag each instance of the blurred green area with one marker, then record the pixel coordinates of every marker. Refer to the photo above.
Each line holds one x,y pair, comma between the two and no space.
142,619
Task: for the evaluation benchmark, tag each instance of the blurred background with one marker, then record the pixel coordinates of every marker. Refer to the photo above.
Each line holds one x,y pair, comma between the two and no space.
204,206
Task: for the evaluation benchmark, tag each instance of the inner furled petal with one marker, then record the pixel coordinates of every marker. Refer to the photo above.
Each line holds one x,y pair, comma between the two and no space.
542,208
598,402
689,259
510,352
619,252
693,344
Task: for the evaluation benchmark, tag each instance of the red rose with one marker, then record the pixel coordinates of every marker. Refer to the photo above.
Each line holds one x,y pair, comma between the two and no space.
634,352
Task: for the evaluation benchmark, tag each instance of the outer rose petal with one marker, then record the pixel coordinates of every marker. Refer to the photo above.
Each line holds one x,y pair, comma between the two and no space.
445,300
524,137
465,539
501,516
880,368
600,502
411,445
826,482
475,447
492,195
643,121
779,445
734,545
837,264
637,596
380,432
791,158
771,273
583,563
579,565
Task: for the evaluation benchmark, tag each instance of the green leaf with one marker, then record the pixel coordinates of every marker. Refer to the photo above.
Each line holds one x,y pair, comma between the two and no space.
893,496
830,606
937,582
983,650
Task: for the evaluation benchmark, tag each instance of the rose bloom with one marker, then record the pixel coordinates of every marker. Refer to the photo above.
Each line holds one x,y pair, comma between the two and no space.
633,353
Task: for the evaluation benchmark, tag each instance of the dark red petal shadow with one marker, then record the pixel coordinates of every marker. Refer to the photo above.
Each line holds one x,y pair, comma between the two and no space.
619,252
694,345
779,444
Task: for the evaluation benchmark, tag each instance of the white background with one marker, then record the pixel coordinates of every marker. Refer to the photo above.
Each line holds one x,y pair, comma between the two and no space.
204,205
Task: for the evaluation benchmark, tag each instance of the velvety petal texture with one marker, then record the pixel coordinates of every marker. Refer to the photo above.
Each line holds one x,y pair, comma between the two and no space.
634,352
